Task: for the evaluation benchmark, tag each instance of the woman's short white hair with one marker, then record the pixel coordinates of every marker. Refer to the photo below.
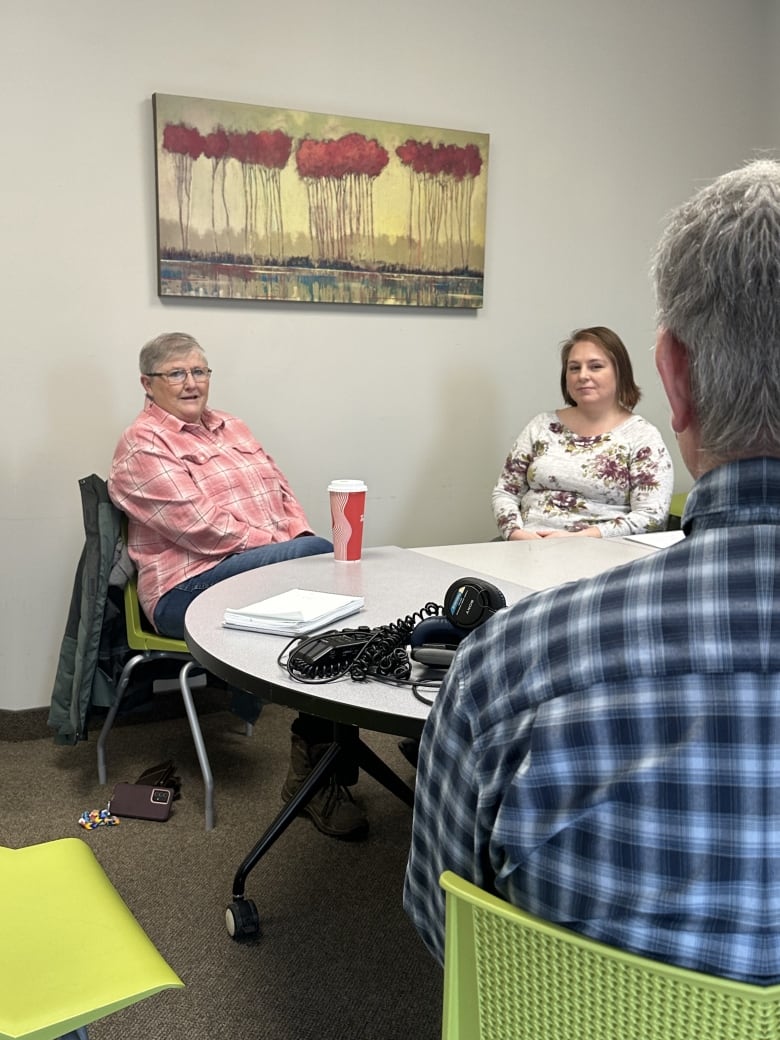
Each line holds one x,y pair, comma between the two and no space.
164,347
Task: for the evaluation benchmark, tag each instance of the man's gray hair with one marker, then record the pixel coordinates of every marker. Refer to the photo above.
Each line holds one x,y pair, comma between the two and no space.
717,279
164,347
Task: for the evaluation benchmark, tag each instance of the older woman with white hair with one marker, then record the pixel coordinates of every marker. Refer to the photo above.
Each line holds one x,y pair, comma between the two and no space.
204,502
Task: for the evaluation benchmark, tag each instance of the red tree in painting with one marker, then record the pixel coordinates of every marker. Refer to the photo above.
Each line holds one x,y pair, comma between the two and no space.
339,177
216,146
263,155
273,148
441,180
185,144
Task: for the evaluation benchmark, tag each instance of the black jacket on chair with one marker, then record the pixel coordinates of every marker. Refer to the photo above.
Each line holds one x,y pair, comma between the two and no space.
94,646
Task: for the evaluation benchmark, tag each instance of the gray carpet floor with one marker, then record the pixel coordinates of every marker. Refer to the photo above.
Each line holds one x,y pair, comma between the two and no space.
336,958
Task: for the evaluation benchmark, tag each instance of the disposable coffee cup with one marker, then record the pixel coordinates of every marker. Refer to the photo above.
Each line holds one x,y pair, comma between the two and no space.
347,506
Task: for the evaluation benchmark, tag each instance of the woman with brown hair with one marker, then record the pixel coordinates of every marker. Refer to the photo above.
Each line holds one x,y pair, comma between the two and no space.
593,468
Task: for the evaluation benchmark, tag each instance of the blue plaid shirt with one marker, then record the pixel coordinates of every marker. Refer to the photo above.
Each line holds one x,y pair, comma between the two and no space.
606,754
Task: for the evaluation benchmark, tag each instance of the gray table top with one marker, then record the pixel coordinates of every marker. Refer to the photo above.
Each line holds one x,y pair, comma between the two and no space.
394,583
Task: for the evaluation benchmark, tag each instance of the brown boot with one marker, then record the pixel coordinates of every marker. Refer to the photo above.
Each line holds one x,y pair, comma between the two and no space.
331,809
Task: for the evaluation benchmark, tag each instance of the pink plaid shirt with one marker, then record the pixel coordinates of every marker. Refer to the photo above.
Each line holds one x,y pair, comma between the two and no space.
195,494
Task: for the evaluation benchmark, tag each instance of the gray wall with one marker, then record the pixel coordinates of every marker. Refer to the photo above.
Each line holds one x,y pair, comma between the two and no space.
601,115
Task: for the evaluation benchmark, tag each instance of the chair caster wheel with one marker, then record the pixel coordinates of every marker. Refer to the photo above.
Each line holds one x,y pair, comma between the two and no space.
242,920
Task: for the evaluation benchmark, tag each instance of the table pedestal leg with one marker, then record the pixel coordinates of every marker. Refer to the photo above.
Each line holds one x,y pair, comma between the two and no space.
313,782
383,774
346,750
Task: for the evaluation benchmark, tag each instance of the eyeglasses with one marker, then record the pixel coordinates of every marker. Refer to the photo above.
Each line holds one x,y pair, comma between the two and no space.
179,375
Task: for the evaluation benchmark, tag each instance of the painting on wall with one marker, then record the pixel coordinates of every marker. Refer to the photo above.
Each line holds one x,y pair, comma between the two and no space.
257,203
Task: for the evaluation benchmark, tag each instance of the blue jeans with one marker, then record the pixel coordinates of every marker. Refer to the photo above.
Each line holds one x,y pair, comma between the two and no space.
171,608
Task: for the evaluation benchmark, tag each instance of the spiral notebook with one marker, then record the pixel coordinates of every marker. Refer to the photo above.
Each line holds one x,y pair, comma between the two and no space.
293,613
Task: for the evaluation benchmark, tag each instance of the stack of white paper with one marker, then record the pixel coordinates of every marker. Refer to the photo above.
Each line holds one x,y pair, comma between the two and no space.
293,613
658,539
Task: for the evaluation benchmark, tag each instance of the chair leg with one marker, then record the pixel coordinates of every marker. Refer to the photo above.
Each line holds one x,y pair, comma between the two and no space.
124,682
197,736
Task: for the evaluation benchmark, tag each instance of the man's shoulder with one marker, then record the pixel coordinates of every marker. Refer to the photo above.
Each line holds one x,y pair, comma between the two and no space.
574,637
607,609
636,580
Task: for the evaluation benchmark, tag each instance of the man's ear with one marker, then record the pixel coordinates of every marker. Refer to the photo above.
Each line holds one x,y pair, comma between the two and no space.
671,360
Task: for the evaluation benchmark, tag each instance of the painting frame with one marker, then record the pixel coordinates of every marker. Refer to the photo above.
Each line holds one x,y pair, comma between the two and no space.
268,204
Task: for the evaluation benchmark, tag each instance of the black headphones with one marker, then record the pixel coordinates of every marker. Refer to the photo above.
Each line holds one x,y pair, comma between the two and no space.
471,601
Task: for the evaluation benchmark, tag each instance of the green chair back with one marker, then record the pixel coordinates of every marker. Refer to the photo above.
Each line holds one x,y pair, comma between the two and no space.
511,976
676,510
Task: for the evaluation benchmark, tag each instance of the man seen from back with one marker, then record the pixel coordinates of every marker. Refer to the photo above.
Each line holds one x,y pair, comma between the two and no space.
605,754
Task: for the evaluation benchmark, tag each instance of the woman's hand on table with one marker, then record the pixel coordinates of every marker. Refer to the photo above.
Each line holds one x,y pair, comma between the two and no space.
586,532
521,535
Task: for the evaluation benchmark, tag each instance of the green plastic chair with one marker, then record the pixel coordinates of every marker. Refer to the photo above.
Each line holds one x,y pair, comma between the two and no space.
71,951
150,646
676,510
510,976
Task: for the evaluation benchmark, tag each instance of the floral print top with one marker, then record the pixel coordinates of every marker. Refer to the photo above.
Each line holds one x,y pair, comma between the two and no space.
555,479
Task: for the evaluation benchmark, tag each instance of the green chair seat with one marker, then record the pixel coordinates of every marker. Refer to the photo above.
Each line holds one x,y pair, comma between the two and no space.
71,951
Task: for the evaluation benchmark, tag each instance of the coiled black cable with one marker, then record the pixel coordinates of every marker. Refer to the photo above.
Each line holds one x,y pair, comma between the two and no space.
360,653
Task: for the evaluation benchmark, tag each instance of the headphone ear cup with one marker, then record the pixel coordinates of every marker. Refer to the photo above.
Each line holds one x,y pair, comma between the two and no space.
469,602
496,598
